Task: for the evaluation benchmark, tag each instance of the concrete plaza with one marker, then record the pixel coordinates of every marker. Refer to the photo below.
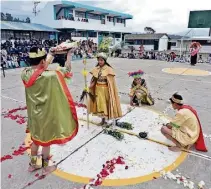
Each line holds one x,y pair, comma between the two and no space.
196,91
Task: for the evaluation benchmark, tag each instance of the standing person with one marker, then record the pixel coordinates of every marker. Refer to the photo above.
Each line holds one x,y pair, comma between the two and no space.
194,49
103,86
139,92
185,128
52,117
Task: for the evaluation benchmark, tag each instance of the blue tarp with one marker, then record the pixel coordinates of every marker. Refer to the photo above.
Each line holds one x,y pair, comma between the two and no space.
6,25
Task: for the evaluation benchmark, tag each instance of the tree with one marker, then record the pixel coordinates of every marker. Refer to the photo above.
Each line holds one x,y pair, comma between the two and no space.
149,30
104,45
16,20
3,16
28,20
9,17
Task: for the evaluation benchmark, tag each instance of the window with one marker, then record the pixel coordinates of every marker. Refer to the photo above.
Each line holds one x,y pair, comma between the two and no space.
93,16
110,19
103,21
148,42
117,35
204,42
173,44
80,14
130,41
92,34
3,35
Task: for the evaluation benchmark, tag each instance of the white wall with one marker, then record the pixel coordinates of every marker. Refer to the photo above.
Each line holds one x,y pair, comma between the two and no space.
205,49
95,40
46,16
185,46
163,43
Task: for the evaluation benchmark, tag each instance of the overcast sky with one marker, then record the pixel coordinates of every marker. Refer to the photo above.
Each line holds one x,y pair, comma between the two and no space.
170,16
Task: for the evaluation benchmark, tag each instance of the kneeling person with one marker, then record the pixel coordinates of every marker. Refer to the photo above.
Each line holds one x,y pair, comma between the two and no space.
185,129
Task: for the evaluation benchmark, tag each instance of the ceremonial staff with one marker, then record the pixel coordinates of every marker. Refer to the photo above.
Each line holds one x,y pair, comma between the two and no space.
86,89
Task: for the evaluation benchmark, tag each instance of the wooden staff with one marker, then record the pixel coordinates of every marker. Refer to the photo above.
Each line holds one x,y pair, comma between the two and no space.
144,135
85,73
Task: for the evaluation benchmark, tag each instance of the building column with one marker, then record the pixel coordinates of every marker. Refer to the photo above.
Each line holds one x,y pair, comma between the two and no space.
87,35
56,35
105,19
97,38
74,13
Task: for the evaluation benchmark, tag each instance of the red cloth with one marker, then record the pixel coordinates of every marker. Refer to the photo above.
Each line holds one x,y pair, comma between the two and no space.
200,144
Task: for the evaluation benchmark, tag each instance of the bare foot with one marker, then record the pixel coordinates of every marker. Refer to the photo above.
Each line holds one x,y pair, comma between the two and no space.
48,170
174,148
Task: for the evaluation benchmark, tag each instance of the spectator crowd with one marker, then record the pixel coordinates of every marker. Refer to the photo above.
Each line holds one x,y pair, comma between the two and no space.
14,52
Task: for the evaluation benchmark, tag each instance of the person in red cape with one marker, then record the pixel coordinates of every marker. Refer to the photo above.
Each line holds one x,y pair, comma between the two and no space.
185,128
52,117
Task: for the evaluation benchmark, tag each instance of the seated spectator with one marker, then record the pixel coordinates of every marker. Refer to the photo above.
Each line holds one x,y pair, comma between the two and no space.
200,59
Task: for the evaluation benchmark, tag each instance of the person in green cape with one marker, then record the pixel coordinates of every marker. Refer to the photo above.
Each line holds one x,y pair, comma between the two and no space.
52,117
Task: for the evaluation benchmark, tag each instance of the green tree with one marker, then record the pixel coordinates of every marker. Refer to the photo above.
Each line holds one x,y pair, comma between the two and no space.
3,16
149,30
104,45
28,20
9,17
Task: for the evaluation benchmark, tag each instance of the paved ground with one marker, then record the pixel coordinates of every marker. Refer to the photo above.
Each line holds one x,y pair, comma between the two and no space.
196,91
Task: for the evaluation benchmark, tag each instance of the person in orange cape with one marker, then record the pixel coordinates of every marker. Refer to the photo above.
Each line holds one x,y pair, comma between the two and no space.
52,117
103,86
185,128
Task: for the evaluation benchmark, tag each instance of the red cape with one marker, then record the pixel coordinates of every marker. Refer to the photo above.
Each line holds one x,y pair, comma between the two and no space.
200,144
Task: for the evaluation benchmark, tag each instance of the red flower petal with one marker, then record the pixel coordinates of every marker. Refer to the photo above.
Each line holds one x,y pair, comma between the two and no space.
41,177
9,176
36,175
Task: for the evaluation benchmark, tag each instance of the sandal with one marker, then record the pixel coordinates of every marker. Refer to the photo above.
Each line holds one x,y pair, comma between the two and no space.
33,164
46,168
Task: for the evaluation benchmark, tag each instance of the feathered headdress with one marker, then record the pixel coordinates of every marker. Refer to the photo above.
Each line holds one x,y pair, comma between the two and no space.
136,74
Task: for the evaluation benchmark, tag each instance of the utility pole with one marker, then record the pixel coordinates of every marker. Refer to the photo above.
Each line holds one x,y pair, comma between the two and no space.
35,8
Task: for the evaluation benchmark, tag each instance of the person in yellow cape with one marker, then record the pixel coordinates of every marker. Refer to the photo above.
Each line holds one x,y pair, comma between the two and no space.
52,117
185,128
103,85
139,92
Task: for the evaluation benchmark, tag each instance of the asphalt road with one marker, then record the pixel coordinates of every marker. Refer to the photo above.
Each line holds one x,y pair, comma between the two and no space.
196,91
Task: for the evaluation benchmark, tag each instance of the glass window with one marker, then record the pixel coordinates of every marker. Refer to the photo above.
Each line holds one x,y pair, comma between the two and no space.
148,42
173,44
117,35
130,41
92,34
204,42
93,16
110,19
80,14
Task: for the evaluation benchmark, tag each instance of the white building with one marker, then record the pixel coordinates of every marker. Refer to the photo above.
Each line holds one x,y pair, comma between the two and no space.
163,42
82,21
157,41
